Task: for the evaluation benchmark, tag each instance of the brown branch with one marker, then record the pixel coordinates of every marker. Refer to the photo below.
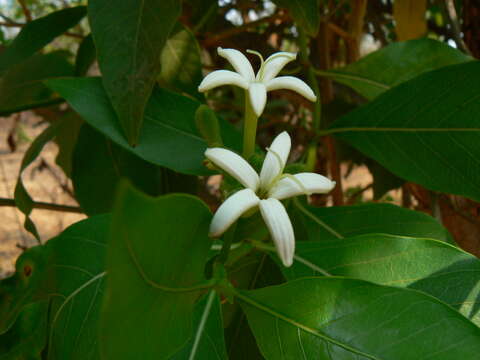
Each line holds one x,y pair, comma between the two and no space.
26,11
44,205
456,31
9,24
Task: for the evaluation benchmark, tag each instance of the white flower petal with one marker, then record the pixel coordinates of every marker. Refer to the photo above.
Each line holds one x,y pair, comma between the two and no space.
239,62
280,228
276,159
258,97
292,83
275,63
222,77
231,209
311,182
235,165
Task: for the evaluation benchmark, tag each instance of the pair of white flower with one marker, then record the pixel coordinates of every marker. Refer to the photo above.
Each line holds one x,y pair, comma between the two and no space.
264,191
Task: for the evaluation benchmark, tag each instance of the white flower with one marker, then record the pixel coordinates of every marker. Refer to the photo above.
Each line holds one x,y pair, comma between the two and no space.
257,86
265,191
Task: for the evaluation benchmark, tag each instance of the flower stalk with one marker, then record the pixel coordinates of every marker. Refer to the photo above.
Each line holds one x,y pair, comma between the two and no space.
249,129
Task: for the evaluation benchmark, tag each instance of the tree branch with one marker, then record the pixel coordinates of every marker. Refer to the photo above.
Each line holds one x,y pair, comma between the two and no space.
45,206
26,11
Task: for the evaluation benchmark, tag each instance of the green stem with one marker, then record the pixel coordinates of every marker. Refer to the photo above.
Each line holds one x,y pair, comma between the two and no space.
311,157
249,130
227,244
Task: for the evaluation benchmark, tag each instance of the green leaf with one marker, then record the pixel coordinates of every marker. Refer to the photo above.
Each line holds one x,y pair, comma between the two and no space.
23,200
21,87
86,56
66,139
38,33
99,164
129,37
399,62
207,340
170,137
156,257
305,13
27,337
69,272
425,130
426,265
339,318
181,63
347,221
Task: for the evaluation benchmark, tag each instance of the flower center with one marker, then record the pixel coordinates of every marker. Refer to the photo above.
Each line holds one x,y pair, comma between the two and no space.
263,63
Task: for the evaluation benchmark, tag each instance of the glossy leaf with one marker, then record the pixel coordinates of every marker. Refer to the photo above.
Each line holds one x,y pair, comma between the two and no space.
170,137
181,63
156,257
339,318
99,164
305,13
69,272
21,87
399,62
38,33
207,340
347,221
129,37
426,265
425,131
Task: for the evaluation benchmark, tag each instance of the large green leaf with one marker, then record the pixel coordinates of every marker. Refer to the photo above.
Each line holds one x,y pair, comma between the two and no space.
27,337
38,33
156,257
21,87
427,265
207,341
129,37
170,137
99,164
69,272
181,63
305,13
339,318
394,64
425,130
347,221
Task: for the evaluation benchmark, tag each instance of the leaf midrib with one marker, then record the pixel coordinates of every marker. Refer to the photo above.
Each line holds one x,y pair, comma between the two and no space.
305,328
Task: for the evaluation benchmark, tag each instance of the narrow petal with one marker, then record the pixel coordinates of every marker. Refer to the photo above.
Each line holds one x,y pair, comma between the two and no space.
280,228
276,159
274,64
235,165
292,83
231,209
222,77
239,62
258,97
305,184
